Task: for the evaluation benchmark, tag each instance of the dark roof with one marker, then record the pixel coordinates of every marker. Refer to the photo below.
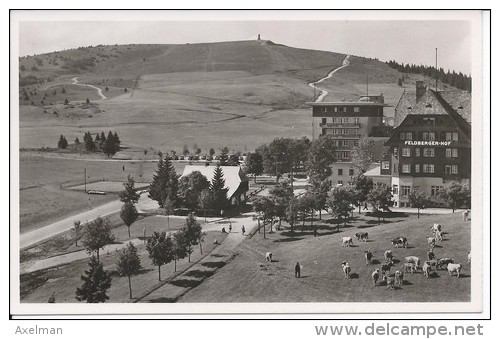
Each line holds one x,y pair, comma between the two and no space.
432,102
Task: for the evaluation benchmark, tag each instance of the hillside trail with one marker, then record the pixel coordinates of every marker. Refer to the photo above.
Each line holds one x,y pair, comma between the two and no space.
99,91
323,92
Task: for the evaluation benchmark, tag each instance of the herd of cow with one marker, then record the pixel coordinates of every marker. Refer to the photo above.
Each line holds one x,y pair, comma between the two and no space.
411,263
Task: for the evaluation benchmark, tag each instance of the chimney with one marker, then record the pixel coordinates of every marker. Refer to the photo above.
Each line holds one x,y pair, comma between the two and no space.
421,88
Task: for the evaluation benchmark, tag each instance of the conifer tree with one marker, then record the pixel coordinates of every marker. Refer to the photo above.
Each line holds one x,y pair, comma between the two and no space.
96,283
165,182
218,190
129,194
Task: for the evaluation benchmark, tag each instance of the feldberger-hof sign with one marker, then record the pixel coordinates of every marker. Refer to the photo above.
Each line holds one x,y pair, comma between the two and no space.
427,143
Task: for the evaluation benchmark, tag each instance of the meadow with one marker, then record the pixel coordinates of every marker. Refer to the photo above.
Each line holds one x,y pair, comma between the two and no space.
250,278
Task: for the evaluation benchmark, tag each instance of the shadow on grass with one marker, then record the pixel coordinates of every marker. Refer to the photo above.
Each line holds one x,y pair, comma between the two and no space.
375,262
367,226
396,261
407,283
217,255
114,273
287,239
186,283
199,274
354,276
388,215
214,264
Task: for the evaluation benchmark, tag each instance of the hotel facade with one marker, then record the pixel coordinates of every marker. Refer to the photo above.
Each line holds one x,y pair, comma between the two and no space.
430,144
347,123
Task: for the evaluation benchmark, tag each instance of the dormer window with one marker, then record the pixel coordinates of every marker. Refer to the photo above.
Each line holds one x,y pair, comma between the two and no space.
428,106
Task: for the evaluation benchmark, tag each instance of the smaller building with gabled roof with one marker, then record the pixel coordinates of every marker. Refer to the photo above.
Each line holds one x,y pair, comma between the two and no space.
236,180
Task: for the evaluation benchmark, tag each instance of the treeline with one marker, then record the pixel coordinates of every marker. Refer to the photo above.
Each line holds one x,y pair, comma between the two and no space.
108,145
458,80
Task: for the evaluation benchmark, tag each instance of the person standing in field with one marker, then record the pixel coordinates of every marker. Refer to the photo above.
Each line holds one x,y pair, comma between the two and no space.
297,270
243,229
230,227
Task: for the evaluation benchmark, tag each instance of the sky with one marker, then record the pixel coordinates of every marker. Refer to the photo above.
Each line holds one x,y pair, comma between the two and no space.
404,41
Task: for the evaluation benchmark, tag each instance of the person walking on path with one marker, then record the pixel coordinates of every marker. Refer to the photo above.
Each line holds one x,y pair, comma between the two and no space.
243,229
230,227
297,270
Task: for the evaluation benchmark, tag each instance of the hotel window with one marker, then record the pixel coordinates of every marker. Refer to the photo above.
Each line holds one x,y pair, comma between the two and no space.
431,168
340,182
425,135
454,169
428,168
385,165
402,136
340,171
395,189
356,120
335,131
429,152
454,152
325,109
356,109
447,152
351,172
345,143
335,109
417,168
405,152
405,190
335,143
323,121
355,143
435,190
447,169
344,109
417,151
408,136
432,136
451,136
406,168
345,120
395,151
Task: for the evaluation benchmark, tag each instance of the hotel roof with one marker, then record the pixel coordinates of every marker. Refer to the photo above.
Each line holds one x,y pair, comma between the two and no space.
233,175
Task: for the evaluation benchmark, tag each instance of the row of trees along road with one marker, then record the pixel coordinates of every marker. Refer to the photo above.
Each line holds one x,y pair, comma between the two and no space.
162,249
108,145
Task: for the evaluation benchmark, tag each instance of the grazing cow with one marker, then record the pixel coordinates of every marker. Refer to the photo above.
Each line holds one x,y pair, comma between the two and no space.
431,242
431,263
409,267
443,262
398,277
390,283
400,241
362,236
426,269
346,241
413,259
465,215
439,235
435,228
269,256
347,270
452,268
388,256
368,256
385,268
468,257
431,255
375,276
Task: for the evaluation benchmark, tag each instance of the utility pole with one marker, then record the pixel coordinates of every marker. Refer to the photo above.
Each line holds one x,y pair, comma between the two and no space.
436,69
85,178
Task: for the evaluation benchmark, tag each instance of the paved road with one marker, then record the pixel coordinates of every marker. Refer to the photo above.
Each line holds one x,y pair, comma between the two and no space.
323,92
30,238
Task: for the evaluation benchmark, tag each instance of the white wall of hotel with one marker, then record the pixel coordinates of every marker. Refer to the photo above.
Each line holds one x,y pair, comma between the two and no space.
423,184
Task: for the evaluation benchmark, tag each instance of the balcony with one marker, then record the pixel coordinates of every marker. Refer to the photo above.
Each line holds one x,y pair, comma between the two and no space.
343,136
340,124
